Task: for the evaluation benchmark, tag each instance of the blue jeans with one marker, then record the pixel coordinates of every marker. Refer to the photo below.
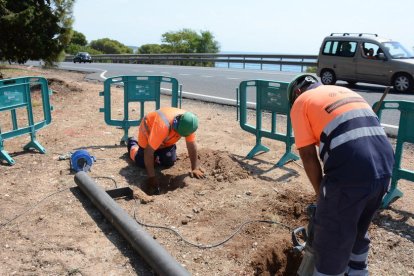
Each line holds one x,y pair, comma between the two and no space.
343,214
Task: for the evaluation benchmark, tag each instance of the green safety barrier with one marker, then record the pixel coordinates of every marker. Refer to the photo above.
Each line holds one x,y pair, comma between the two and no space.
271,96
405,135
137,89
16,94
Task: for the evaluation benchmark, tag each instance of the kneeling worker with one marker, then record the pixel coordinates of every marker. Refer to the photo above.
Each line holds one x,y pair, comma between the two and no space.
158,132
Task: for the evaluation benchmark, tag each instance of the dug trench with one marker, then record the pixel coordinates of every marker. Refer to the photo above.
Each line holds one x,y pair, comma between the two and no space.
275,255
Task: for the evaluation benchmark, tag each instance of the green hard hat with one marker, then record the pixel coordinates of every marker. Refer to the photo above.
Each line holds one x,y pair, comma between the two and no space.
187,124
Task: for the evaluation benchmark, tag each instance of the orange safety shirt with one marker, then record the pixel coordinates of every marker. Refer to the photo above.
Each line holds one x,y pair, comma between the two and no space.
156,129
352,144
314,109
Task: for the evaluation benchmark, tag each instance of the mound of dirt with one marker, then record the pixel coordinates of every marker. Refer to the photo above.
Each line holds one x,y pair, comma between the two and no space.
222,166
61,86
219,166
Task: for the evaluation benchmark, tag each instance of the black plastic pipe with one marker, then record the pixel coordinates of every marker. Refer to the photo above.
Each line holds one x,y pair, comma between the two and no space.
150,250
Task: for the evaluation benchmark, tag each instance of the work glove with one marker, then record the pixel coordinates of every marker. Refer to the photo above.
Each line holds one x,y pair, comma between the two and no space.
198,173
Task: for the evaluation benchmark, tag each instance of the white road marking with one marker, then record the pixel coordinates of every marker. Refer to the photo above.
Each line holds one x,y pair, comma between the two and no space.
102,75
80,68
208,96
184,74
206,76
390,126
233,78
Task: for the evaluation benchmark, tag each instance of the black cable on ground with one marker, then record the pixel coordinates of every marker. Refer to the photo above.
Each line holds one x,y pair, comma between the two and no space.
46,197
201,246
33,206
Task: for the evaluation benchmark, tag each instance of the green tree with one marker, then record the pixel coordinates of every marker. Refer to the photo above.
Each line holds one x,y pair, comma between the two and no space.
183,41
207,44
189,41
34,29
150,49
109,46
72,49
78,39
78,43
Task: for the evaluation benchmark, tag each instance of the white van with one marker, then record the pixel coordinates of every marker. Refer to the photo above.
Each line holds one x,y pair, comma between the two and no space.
366,58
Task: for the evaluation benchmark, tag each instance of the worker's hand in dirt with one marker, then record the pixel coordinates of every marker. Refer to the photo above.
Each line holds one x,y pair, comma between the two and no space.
151,186
198,173
152,181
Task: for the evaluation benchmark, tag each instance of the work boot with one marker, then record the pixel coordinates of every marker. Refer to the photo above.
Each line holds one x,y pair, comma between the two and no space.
132,141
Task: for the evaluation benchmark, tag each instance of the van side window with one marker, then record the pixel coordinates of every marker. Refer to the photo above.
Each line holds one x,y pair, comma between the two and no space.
330,47
340,48
370,50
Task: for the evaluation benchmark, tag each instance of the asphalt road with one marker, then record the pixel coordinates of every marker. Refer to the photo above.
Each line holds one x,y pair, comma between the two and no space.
219,84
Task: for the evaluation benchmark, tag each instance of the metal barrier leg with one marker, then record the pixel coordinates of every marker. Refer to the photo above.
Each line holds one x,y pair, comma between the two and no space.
259,147
393,194
124,138
288,156
5,156
34,144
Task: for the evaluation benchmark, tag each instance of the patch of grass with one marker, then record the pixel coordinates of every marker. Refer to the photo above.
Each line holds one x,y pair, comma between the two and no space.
6,70
36,103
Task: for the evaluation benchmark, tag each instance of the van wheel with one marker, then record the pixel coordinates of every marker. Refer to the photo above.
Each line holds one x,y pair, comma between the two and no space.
403,83
328,77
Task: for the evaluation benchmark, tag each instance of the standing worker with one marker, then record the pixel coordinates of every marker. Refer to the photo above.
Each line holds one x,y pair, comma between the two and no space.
357,165
159,131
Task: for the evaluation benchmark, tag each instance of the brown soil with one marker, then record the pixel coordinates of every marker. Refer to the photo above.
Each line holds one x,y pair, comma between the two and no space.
48,227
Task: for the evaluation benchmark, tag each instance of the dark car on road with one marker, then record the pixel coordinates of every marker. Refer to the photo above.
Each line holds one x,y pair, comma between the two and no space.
82,57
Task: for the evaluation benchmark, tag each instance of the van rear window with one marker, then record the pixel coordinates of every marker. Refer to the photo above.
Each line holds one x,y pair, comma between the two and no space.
340,48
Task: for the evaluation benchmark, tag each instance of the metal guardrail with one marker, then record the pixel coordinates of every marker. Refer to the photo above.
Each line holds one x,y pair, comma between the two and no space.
208,59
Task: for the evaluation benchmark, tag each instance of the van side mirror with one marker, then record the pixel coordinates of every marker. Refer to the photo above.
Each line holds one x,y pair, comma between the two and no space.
381,56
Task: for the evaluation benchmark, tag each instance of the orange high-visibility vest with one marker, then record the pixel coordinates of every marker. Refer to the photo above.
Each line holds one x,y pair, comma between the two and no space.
156,129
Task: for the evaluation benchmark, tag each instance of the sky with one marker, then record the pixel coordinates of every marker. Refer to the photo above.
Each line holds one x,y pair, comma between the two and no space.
259,26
